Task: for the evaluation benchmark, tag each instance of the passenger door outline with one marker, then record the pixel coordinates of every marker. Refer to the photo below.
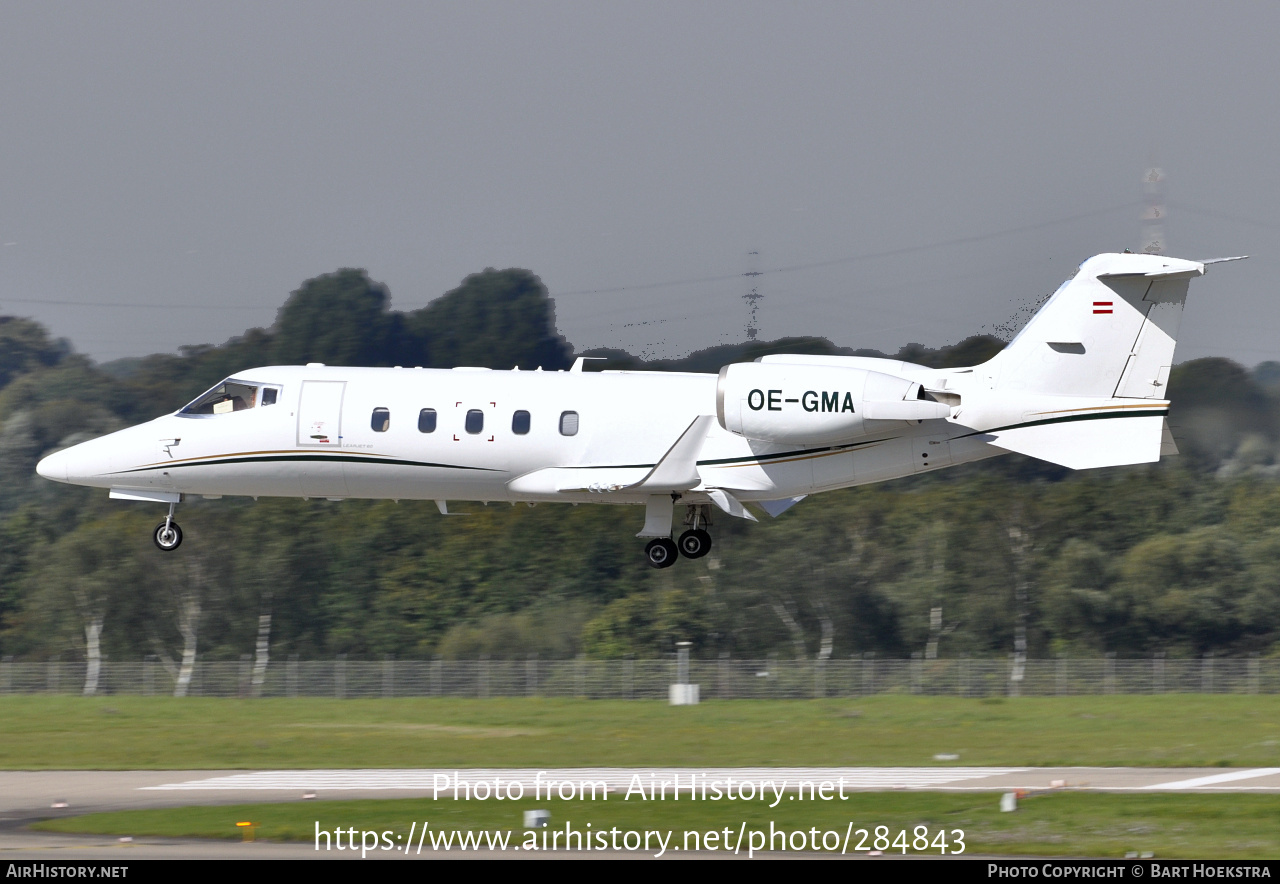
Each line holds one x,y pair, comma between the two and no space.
320,414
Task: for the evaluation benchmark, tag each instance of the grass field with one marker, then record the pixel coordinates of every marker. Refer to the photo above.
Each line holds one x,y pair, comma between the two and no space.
1059,824
127,732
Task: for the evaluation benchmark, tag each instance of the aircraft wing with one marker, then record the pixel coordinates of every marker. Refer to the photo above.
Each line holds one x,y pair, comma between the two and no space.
676,470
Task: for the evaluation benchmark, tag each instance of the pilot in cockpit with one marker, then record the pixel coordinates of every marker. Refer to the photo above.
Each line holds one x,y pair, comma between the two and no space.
225,398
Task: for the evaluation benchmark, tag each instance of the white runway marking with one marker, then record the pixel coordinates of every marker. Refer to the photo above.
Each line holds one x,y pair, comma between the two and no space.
1196,782
614,778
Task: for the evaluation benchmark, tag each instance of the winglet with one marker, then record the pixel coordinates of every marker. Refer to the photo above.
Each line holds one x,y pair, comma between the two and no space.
678,469
581,362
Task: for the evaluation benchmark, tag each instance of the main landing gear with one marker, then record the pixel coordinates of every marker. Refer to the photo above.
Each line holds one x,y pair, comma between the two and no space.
693,543
168,536
661,553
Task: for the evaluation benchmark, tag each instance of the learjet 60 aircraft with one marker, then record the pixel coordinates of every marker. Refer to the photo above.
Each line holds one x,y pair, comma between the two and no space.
1082,385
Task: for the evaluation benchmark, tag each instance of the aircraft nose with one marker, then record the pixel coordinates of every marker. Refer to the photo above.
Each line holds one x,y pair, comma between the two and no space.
83,464
54,466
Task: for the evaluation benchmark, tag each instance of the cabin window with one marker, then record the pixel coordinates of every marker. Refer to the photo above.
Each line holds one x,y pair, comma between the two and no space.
427,420
381,420
520,423
568,423
475,421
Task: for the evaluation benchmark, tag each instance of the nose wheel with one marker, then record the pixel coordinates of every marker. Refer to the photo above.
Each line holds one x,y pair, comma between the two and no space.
168,536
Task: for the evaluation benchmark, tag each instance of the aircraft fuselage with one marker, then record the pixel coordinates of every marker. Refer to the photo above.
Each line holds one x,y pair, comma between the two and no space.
338,432
1082,385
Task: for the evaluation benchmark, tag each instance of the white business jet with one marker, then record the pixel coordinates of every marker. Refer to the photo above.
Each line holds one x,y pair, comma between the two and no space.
1082,385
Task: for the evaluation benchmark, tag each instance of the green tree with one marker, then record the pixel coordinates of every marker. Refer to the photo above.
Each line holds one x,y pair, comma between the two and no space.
1215,403
340,319
495,319
1183,592
25,346
1080,608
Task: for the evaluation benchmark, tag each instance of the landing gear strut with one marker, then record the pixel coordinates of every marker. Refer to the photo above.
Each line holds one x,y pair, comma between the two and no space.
168,536
696,542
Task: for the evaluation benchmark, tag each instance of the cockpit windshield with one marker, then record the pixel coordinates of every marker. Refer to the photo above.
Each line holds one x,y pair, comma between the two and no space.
232,395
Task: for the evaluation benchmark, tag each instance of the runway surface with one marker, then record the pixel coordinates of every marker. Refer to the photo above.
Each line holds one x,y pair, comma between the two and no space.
30,795
35,792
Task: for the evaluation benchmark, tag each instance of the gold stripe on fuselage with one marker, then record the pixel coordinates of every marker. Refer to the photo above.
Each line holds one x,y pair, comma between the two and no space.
213,458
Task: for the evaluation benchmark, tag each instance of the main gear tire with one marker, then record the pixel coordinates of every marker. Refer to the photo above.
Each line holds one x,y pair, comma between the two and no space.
661,553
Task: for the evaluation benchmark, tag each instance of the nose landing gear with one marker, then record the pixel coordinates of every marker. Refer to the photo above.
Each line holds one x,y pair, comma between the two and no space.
168,536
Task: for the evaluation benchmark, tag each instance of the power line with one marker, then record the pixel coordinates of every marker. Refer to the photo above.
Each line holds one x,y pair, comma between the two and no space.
114,304
1223,216
865,256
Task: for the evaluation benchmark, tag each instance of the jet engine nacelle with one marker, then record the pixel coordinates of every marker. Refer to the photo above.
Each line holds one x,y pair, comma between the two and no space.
810,404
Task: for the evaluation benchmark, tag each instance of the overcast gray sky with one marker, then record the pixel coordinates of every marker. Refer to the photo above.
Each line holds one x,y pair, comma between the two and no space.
171,171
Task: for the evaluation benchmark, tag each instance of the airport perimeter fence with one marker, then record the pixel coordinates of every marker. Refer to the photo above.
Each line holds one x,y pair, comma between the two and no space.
628,679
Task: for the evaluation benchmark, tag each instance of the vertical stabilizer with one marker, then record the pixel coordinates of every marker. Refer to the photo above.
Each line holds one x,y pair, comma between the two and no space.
1084,383
1107,332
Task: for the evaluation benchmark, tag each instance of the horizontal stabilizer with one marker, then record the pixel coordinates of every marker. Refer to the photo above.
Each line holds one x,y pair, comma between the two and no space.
1088,441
